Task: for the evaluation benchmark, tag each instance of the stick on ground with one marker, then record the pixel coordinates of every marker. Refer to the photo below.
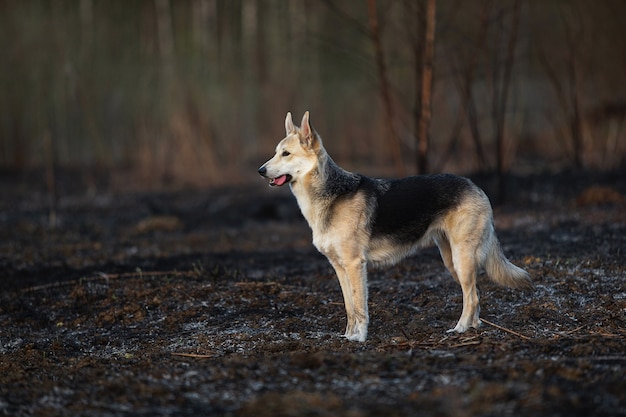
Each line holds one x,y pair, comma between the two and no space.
505,329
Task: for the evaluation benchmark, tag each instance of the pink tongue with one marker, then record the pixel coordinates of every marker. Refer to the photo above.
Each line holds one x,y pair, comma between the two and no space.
280,180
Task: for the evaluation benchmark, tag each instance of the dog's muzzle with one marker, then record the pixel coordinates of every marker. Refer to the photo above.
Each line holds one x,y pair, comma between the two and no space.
278,181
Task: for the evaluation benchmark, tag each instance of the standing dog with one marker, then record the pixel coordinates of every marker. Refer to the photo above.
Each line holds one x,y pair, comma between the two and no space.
356,220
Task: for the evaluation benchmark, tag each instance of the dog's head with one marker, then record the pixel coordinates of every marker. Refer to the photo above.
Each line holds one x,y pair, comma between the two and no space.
296,154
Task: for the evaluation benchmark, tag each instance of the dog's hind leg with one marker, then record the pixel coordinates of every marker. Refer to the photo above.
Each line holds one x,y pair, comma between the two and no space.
463,257
446,254
465,228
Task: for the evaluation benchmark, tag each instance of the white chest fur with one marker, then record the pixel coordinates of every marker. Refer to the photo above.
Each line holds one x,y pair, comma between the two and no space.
337,227
311,210
305,203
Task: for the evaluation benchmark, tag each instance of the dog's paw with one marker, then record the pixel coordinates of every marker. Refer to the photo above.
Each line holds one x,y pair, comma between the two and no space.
457,329
462,327
357,333
355,337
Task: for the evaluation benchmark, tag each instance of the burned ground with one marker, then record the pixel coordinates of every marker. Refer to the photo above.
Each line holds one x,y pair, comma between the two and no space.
214,302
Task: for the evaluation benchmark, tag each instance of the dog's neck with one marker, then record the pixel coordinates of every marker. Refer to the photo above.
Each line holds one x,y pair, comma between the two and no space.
319,189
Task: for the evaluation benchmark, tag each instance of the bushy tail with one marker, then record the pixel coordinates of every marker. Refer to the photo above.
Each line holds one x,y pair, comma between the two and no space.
502,271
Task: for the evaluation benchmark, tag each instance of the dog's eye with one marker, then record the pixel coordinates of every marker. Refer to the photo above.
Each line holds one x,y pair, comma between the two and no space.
286,153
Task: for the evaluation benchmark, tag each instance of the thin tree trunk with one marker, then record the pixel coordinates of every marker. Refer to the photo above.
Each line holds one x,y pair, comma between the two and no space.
50,179
249,29
569,102
394,142
465,88
501,101
418,52
165,36
426,85
576,125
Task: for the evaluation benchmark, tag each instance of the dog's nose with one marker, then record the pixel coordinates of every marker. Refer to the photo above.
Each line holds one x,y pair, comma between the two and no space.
262,170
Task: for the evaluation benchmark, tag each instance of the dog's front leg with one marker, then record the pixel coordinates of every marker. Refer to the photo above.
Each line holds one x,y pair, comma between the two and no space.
346,291
353,282
357,277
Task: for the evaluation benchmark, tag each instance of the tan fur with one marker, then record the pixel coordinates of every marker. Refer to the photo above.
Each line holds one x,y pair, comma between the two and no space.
464,234
465,252
344,243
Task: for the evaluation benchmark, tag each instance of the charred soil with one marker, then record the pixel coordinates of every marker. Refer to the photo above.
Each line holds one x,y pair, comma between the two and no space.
214,302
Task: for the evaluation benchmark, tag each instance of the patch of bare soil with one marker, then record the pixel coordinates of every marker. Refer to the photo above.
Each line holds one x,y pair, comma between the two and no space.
216,303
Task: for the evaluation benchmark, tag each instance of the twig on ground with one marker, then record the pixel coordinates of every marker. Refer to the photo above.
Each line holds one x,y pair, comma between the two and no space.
605,334
408,339
428,345
253,284
468,343
506,330
102,276
570,332
193,355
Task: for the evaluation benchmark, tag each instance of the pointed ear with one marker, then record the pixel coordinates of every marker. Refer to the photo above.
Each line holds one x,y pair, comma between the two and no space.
305,126
289,127
307,135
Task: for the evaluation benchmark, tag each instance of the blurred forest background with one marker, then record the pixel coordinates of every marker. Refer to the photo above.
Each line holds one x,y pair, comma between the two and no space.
162,93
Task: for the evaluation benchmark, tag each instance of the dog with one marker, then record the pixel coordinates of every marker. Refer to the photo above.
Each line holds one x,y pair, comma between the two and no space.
358,220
